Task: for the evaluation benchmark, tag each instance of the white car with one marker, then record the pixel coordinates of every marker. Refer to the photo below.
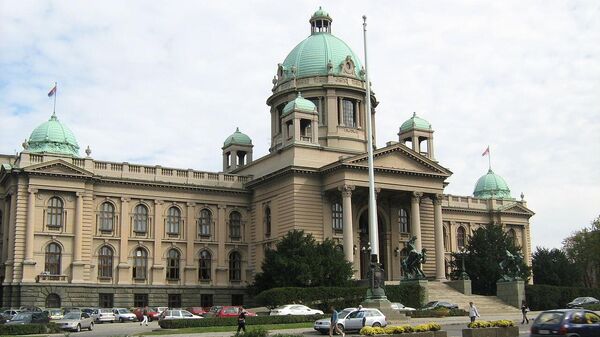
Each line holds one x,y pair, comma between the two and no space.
400,307
353,319
103,315
178,314
122,315
294,309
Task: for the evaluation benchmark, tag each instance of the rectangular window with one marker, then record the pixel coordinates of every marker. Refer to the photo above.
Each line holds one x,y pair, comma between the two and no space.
337,216
106,300
174,300
348,113
237,299
140,300
206,300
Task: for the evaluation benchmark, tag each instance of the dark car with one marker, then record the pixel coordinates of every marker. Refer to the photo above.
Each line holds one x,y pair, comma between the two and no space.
566,322
579,302
439,304
29,317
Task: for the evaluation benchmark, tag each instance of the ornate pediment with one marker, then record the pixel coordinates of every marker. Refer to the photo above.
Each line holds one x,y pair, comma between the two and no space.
517,208
401,158
58,167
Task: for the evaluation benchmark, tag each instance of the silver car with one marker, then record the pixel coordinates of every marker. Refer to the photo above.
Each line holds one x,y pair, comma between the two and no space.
75,321
322,325
363,317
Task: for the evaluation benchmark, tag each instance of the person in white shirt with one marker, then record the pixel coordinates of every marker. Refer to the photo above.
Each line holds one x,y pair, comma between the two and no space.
473,313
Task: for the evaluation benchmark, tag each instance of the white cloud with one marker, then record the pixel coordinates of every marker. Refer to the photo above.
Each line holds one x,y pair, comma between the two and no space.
166,82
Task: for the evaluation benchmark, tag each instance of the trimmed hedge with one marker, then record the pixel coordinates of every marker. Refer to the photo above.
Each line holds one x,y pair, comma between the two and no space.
22,329
438,312
323,298
391,330
232,321
490,324
544,297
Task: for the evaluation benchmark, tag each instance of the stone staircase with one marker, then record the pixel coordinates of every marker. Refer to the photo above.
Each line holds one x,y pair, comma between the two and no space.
486,305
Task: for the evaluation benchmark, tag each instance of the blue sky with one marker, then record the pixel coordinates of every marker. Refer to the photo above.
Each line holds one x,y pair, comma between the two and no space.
164,83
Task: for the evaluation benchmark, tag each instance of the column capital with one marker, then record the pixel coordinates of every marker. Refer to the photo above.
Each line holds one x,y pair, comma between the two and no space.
79,194
437,199
346,190
220,206
32,190
158,202
190,204
125,199
416,195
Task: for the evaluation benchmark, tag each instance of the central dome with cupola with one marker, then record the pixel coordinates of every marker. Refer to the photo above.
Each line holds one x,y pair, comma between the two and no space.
320,54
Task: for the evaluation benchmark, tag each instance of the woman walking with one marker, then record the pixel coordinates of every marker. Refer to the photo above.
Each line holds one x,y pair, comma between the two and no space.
333,323
524,311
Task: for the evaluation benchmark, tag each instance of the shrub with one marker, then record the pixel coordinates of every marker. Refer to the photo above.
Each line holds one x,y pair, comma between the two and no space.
371,331
391,330
411,295
438,312
23,329
434,326
255,320
421,328
256,332
485,324
53,328
503,323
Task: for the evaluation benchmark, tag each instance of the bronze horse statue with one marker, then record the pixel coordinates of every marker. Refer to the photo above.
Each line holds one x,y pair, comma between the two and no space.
412,263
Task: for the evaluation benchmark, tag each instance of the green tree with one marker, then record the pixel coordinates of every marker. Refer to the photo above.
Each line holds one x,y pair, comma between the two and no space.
485,249
552,267
583,249
300,261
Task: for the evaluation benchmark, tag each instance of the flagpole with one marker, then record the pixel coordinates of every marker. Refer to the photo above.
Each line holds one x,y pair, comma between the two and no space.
55,94
489,159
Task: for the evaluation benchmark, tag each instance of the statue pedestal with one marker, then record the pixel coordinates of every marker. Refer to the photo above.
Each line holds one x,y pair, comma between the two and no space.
463,286
423,285
385,306
511,292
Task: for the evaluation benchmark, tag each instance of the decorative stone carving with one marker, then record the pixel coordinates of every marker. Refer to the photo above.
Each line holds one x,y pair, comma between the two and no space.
346,190
25,144
88,151
510,267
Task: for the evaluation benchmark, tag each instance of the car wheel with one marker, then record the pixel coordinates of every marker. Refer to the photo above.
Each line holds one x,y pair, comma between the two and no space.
376,325
121,320
91,326
340,327
78,328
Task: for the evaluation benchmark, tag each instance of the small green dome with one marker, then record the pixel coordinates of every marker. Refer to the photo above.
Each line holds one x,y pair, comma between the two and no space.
299,103
490,186
415,123
53,137
320,54
237,138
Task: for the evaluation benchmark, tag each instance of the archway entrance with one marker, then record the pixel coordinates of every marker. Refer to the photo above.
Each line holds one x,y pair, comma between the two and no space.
365,255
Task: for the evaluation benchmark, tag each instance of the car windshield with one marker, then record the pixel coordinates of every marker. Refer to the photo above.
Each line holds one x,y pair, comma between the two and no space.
552,317
579,299
21,317
123,311
55,312
430,304
72,315
345,312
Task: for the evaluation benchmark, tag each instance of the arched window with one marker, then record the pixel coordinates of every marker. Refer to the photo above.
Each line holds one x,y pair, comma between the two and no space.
204,222
140,264
267,221
173,220
205,265
53,257
107,217
140,219
105,262
460,237
337,216
235,225
173,265
403,223
55,212
513,236
53,301
235,266
348,113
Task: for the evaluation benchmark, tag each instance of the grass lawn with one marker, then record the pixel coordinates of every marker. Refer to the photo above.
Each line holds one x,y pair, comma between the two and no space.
226,328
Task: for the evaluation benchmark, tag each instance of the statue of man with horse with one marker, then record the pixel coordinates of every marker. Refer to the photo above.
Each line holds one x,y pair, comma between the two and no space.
412,263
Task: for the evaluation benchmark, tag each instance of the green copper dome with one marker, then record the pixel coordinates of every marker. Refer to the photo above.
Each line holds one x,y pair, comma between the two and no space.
237,138
321,53
53,137
299,103
490,186
415,123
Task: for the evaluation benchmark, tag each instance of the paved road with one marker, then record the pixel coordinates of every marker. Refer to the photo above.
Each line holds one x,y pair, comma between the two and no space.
453,325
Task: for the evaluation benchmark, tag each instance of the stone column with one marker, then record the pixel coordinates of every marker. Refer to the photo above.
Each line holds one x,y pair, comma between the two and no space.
347,220
221,270
438,228
340,112
4,224
189,269
157,267
29,262
12,223
415,218
78,264
123,266
415,144
430,148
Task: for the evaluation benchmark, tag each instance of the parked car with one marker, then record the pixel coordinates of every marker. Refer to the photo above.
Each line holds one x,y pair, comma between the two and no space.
55,314
123,315
439,304
198,311
400,307
10,313
226,311
294,309
569,322
579,302
27,317
178,314
322,325
153,315
160,309
103,315
75,321
362,317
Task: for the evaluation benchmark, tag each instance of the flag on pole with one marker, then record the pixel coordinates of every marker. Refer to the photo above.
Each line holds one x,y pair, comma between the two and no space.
52,91
486,152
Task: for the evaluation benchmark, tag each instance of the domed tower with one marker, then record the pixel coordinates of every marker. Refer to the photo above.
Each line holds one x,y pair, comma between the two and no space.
53,137
491,186
419,133
237,151
330,75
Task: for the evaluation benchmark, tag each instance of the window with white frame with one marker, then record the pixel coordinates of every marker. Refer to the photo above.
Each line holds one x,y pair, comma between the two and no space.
106,217
173,220
140,219
55,212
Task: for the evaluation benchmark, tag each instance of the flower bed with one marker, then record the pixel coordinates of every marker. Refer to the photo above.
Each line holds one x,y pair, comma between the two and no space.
502,328
421,330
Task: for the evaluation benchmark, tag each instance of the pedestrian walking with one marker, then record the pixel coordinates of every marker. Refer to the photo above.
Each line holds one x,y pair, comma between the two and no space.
473,313
241,320
524,311
333,323
145,316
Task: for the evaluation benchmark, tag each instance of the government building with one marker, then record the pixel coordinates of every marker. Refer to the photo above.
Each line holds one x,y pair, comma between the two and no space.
77,231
